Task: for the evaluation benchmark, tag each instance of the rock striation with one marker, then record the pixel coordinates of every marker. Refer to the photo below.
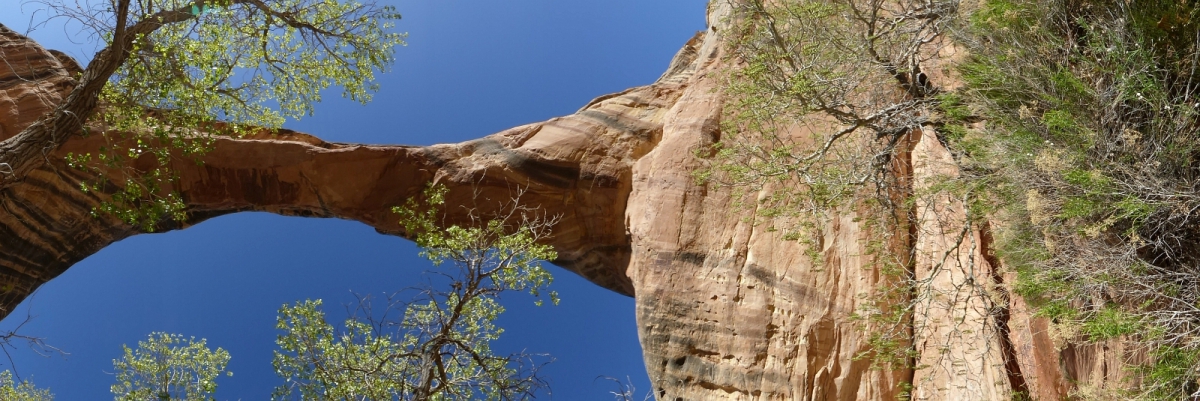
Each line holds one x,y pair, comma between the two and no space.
726,308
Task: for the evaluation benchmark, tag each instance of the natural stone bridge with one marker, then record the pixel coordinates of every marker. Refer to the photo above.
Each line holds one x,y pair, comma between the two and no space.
726,309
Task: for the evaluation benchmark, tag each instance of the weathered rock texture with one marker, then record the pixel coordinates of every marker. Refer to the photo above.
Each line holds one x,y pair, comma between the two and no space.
726,309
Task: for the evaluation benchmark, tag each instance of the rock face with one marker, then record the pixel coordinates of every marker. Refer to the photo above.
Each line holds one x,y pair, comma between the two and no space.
726,308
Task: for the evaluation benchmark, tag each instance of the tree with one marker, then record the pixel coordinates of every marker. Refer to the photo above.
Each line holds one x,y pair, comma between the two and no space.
23,391
826,100
169,367
440,348
165,367
175,74
850,74
178,74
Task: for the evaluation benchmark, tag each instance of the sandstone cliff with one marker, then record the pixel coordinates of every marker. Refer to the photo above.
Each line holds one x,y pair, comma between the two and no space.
726,308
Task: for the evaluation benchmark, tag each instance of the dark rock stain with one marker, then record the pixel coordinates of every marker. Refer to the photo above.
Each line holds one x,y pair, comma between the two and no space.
554,174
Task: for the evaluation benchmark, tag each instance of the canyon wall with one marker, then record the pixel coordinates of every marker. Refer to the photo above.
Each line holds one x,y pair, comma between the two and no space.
726,308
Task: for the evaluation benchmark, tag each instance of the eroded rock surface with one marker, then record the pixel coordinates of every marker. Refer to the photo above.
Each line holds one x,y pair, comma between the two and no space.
726,309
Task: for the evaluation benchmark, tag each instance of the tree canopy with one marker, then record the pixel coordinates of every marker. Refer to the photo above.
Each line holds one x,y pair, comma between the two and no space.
440,347
169,367
176,74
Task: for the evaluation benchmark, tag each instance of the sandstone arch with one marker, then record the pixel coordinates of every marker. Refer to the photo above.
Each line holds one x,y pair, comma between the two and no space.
726,310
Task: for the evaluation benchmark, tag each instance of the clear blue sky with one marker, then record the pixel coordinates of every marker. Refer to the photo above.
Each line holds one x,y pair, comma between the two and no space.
471,68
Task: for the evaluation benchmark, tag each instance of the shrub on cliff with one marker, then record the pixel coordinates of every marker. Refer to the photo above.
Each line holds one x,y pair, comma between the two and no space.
1090,144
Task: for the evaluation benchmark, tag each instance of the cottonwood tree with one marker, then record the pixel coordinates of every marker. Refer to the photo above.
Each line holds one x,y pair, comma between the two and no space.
439,348
175,74
164,367
169,367
24,390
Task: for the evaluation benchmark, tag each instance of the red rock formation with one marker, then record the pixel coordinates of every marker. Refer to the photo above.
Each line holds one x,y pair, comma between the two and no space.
726,309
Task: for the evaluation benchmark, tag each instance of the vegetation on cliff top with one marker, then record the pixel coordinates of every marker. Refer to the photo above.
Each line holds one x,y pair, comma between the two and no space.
1089,147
